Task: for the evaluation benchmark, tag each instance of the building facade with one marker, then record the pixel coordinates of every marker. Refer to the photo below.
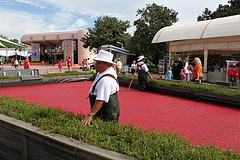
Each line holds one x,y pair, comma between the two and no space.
54,46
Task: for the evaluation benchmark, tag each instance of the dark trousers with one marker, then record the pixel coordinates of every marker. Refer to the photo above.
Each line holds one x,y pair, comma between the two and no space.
142,80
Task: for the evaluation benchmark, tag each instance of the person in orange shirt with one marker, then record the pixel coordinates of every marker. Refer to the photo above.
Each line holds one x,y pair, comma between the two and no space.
197,70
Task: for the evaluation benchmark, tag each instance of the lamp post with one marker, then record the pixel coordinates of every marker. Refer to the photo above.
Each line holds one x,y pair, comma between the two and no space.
120,44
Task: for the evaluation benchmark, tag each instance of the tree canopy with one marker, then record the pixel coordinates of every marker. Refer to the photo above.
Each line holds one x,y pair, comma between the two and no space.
230,9
152,19
107,30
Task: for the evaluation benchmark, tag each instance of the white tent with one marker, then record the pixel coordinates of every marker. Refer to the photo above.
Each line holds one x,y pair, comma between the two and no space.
5,40
220,27
11,52
219,36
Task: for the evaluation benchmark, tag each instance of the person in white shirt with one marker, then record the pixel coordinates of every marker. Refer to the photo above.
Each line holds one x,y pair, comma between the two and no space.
187,72
133,67
103,92
15,63
88,64
143,73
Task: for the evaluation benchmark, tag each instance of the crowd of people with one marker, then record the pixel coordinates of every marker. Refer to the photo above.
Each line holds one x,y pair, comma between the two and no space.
182,70
16,63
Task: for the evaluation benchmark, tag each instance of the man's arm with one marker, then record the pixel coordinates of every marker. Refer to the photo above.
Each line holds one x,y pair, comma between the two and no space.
96,107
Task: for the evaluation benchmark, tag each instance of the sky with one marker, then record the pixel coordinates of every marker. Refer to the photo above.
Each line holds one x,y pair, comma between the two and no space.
19,17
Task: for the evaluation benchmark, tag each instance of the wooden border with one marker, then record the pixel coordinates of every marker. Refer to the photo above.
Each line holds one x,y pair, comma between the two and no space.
20,140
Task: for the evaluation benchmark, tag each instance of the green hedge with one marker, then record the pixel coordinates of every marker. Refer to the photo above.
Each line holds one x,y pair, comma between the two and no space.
124,139
211,88
69,73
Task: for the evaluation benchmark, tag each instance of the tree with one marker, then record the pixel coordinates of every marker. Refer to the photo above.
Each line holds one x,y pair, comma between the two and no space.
108,30
205,16
230,9
152,19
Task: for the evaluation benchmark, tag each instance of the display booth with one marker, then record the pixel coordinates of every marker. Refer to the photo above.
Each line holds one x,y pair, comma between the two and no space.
213,41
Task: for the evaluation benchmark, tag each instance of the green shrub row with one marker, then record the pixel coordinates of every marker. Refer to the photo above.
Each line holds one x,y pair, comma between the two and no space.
9,77
192,86
124,139
69,73
211,88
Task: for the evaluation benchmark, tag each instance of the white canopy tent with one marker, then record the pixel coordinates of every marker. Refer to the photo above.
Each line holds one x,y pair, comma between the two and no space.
8,52
5,40
219,36
220,27
11,52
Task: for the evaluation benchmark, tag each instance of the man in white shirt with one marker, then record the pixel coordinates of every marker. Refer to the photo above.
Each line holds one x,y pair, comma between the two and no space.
103,92
143,73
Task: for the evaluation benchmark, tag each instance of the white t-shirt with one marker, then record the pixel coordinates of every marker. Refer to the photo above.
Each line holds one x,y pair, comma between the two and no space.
106,86
143,66
16,62
88,65
133,65
185,67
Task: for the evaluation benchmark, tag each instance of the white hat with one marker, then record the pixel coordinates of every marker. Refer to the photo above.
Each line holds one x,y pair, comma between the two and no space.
140,58
104,56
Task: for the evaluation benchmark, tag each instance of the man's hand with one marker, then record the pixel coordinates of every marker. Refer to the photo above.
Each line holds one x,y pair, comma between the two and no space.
87,120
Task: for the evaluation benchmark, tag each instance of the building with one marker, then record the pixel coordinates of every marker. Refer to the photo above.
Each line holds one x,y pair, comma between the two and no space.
53,46
119,53
214,41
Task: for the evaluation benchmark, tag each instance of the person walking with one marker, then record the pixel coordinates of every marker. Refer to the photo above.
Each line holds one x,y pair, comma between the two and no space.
69,64
15,63
26,64
60,65
177,68
83,64
103,93
143,73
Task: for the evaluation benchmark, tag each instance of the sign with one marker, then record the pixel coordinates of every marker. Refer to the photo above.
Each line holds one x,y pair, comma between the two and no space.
68,49
35,51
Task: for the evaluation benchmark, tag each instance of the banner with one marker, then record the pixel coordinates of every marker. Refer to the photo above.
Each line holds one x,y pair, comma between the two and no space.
35,51
68,49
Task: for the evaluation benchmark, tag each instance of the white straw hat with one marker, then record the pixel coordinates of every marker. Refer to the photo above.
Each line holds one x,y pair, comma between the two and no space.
140,58
104,56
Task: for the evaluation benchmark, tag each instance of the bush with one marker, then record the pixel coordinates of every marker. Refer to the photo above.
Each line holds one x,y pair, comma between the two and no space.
69,73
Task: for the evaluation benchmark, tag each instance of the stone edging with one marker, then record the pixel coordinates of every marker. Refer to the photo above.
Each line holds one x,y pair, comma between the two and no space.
21,139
